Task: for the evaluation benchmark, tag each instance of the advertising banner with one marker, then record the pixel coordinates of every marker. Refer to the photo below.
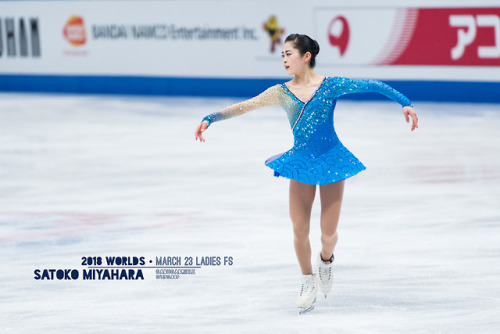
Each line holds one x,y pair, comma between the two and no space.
202,47
411,36
144,38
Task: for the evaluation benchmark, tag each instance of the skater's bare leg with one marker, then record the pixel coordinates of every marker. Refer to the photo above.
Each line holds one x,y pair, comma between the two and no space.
301,200
331,202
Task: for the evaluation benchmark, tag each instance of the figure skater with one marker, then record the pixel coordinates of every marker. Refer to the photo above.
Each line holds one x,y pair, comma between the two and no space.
317,156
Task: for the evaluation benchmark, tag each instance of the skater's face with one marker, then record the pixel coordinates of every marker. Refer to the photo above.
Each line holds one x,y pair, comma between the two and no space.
293,61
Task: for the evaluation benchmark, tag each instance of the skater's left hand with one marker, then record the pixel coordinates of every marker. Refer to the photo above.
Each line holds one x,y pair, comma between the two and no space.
408,111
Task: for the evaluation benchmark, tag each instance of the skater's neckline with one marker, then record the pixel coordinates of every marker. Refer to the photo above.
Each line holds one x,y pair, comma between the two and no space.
311,97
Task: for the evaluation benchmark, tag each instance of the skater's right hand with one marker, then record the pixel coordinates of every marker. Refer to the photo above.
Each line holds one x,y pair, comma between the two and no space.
408,112
202,127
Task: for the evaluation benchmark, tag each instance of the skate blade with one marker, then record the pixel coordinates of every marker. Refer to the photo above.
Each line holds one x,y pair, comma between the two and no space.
306,310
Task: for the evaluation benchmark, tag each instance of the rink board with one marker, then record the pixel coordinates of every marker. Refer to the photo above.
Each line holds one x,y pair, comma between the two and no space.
204,47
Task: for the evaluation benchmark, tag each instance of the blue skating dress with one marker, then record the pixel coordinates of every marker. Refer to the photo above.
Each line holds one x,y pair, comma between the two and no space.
317,156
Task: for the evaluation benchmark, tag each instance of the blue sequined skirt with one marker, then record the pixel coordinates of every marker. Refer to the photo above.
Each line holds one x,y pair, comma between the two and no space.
312,167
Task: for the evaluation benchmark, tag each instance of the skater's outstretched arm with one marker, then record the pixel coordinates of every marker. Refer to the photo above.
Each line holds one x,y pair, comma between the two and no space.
343,86
267,98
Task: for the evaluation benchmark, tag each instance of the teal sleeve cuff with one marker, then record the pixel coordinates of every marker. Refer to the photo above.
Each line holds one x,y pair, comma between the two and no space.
207,118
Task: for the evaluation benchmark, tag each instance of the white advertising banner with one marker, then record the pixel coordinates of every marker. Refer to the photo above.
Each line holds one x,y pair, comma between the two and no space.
173,38
356,37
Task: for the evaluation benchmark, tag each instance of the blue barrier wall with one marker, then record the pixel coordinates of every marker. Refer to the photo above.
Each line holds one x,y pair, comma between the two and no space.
446,91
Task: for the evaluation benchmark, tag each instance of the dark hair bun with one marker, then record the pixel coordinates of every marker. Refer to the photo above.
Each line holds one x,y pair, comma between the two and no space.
305,44
315,48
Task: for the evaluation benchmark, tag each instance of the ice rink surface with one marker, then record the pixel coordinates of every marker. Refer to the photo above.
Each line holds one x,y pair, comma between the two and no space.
419,247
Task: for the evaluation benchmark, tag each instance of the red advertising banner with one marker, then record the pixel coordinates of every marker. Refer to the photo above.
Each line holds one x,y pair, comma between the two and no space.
451,36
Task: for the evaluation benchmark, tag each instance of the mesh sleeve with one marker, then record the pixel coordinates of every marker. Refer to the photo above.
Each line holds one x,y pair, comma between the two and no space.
268,97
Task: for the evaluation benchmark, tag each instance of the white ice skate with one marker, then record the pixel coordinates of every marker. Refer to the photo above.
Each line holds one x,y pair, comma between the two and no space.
307,294
325,275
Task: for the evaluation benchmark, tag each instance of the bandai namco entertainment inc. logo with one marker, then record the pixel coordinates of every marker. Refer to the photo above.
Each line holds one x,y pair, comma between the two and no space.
74,31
